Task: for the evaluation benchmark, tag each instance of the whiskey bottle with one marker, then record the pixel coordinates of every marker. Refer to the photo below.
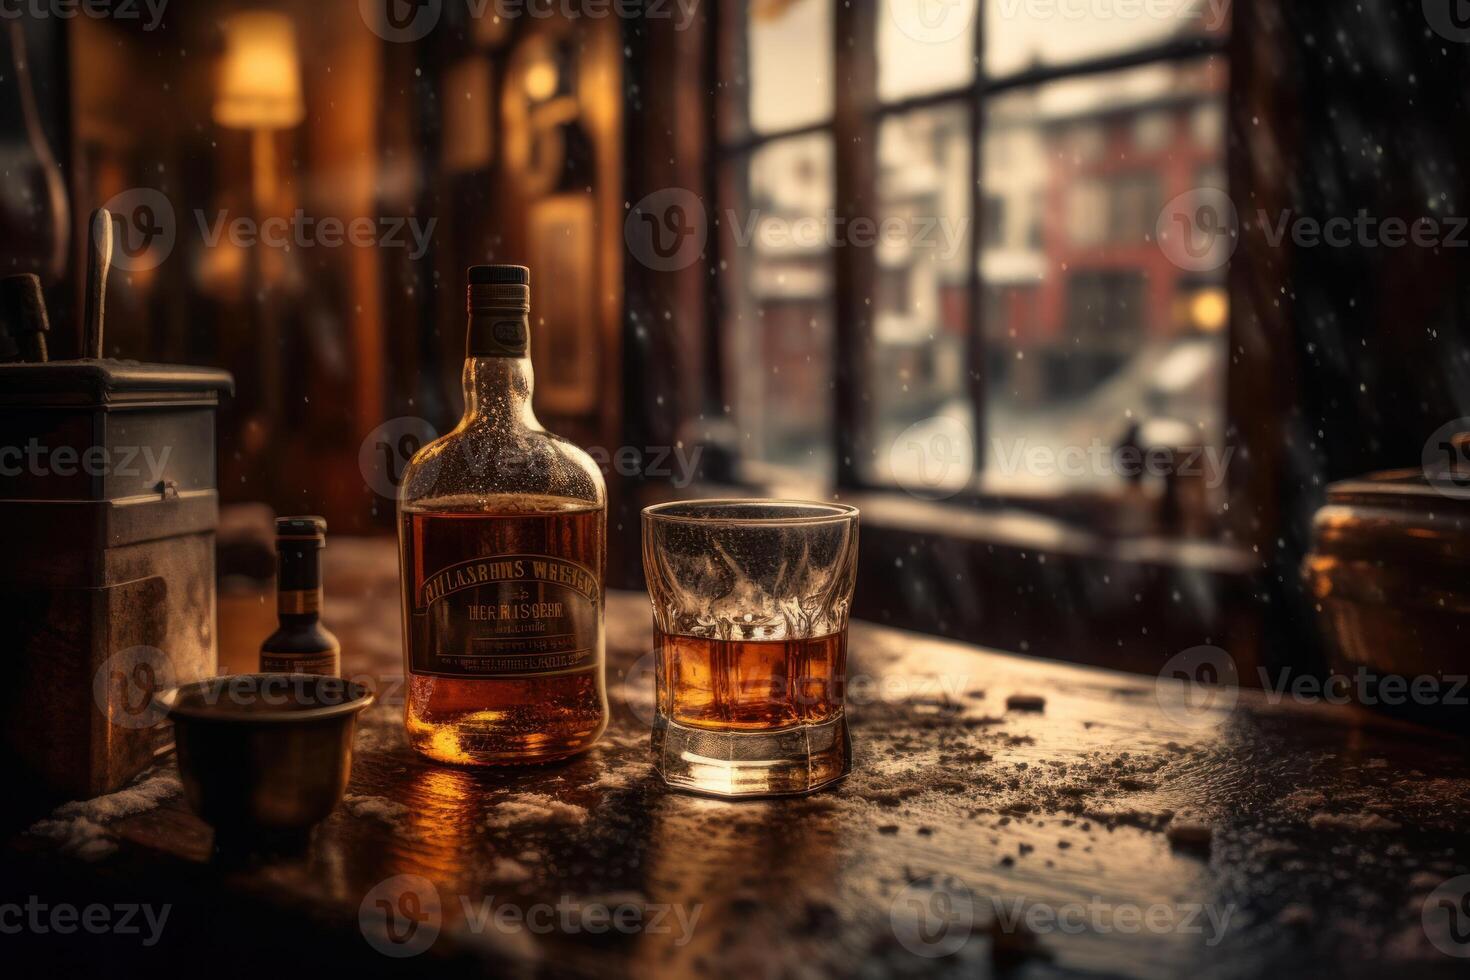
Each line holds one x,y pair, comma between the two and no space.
502,538
300,644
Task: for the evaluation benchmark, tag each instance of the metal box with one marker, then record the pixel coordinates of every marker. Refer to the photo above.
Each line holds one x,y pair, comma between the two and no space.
108,508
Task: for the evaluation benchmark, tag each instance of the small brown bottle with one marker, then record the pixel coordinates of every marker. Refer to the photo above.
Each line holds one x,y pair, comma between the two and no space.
300,644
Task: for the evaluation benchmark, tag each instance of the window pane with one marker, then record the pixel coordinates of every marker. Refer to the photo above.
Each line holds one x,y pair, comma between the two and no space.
776,66
1093,326
918,388
924,46
1022,34
777,285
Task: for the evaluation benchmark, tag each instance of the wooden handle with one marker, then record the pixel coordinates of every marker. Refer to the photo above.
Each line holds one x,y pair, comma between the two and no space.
99,261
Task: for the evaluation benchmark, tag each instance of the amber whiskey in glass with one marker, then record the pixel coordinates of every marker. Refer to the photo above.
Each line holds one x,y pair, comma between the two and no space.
751,685
751,601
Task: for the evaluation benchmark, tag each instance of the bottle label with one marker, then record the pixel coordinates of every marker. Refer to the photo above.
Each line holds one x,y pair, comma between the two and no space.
298,602
498,336
325,663
507,616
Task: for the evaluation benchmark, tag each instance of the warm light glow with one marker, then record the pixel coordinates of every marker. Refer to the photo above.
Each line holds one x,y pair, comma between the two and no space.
1209,309
468,123
260,75
541,80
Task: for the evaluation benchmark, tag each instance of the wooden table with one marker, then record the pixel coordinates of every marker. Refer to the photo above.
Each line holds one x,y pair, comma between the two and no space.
1305,838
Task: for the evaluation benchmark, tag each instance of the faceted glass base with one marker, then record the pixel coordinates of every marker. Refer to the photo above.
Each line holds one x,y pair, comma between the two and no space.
780,763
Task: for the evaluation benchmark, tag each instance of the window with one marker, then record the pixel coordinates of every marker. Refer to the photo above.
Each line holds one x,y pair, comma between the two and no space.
777,337
776,191
988,201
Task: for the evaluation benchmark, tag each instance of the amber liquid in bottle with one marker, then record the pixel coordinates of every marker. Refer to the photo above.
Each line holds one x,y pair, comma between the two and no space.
502,538
551,713
751,685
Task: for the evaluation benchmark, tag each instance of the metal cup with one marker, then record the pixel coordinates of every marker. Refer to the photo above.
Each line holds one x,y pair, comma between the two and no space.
264,756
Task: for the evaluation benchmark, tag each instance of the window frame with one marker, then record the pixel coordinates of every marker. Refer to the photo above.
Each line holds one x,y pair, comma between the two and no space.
857,113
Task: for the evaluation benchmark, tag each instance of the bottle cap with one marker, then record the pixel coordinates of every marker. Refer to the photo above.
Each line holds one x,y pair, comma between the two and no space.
303,528
499,297
495,275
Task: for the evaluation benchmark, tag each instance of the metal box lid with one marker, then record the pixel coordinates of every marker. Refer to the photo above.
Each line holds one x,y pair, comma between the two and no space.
106,430
108,382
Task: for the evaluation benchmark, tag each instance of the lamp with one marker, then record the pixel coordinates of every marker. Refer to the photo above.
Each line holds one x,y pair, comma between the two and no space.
260,75
260,89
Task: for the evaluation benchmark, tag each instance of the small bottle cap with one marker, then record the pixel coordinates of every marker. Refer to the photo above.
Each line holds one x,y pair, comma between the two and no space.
499,275
298,528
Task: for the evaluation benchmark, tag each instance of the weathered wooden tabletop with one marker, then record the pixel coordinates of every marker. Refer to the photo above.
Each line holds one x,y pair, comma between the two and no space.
973,836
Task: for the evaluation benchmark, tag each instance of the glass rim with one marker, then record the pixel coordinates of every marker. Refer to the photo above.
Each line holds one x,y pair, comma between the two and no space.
834,513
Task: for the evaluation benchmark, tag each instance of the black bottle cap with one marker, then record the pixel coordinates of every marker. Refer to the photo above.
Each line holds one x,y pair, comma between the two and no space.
498,299
499,275
300,528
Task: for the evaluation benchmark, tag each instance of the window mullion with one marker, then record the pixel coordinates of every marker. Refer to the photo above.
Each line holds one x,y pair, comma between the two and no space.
755,141
975,354
855,172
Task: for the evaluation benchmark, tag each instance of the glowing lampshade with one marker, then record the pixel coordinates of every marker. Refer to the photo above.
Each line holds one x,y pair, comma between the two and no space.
260,76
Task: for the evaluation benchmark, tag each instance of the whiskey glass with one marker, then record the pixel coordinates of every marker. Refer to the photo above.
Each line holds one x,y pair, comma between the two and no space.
751,600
